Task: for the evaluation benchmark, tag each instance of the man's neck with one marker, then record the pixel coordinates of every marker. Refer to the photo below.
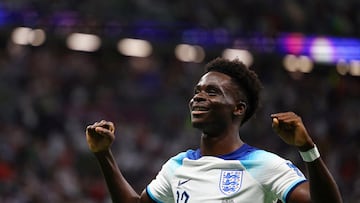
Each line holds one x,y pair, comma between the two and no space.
219,145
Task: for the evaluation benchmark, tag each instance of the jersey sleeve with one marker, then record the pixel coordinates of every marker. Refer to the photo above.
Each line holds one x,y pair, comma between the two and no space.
277,175
286,176
160,189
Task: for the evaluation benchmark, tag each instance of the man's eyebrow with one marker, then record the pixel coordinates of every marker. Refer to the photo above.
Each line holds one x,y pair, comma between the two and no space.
207,86
212,86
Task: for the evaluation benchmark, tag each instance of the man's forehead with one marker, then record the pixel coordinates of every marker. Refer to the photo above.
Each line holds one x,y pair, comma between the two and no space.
215,77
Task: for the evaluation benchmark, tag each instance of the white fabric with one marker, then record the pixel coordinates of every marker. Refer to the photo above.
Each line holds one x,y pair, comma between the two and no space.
246,175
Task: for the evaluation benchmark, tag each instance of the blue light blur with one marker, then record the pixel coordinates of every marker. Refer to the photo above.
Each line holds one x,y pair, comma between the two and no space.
340,48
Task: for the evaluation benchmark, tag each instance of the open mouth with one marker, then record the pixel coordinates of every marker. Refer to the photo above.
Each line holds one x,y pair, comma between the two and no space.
199,109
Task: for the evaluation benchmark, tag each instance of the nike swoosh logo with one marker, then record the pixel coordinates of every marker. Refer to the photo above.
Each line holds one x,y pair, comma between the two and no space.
183,182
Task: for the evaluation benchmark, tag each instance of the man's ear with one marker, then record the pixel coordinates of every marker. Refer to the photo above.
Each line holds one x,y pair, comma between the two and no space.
240,109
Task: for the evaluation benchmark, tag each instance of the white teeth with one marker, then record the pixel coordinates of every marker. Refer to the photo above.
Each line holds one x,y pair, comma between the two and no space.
198,108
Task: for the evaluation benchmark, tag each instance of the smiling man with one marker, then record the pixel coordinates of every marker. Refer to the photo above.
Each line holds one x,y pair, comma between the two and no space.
225,169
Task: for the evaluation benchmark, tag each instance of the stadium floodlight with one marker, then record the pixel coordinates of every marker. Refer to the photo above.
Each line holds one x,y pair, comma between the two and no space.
28,36
305,64
20,35
342,67
243,55
37,37
134,47
83,42
322,50
189,53
354,68
293,63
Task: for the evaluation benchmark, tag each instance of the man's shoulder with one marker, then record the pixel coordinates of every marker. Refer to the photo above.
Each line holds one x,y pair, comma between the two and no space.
260,158
177,160
261,154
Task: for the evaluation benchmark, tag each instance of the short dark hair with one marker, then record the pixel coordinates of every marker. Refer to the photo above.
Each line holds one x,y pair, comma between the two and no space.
246,79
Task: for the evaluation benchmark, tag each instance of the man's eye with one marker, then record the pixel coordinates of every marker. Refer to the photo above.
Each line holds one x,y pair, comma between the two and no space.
212,92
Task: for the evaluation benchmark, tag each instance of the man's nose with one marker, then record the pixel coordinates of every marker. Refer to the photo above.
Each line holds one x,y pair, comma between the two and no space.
200,96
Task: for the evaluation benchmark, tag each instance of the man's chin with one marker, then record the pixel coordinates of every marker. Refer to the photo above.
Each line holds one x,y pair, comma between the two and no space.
198,125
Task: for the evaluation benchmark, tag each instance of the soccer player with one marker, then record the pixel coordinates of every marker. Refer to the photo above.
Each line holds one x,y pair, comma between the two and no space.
225,169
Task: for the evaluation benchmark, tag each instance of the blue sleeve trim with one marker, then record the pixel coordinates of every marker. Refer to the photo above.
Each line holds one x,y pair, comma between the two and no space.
291,188
152,197
193,154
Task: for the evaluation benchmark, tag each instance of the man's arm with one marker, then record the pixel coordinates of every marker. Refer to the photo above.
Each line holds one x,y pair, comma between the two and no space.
100,137
321,186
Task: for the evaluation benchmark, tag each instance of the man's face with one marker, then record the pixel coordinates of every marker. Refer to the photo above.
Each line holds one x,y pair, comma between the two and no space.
214,102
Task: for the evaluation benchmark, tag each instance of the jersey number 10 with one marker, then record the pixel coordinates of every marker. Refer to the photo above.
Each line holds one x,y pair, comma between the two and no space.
182,197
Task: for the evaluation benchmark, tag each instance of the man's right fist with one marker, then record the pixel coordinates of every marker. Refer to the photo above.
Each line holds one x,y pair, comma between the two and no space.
100,136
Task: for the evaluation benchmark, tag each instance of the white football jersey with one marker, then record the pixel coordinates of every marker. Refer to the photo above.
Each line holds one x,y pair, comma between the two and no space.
247,175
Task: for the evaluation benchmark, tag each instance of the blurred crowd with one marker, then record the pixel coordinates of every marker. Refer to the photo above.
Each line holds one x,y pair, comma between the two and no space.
339,18
48,96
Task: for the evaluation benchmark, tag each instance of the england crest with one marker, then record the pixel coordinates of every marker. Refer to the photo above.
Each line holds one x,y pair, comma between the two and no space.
230,181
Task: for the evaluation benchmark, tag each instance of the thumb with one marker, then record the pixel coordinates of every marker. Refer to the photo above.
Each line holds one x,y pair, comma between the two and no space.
275,124
101,130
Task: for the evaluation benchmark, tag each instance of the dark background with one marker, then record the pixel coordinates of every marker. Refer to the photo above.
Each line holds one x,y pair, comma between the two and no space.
49,94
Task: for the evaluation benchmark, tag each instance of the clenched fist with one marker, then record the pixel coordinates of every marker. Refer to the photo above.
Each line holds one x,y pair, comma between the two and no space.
100,135
291,129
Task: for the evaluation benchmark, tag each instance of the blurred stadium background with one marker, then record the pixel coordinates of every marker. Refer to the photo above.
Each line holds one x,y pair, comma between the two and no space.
65,64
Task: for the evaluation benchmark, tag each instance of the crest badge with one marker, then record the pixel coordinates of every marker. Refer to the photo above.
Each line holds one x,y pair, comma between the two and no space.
230,181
